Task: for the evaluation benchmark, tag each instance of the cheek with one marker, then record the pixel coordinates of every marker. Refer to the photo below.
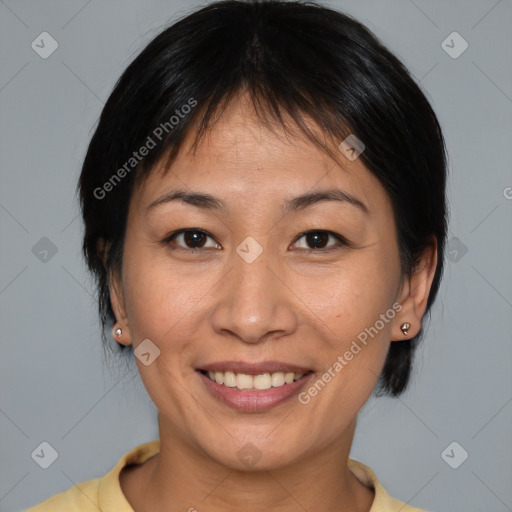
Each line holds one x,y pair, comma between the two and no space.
162,305
354,295
159,300
354,311
355,319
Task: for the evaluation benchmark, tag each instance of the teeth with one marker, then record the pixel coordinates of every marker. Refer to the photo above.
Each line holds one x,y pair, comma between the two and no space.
244,381
277,379
229,379
254,382
263,381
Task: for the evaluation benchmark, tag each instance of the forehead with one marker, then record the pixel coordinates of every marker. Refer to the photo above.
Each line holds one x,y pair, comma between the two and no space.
241,158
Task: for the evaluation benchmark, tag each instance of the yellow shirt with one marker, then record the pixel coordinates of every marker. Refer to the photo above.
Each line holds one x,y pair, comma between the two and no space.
105,494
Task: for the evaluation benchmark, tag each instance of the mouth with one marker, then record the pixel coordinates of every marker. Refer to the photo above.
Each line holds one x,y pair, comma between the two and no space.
252,387
259,382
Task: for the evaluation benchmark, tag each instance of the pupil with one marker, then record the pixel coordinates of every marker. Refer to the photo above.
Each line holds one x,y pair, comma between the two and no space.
194,238
317,239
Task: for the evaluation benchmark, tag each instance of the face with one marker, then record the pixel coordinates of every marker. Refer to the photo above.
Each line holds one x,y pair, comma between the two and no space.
242,277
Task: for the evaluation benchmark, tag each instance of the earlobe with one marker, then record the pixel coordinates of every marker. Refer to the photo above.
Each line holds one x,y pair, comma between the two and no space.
119,335
414,295
405,328
120,331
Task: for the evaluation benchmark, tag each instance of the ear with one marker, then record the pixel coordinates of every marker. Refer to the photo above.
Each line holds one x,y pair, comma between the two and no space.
414,292
115,287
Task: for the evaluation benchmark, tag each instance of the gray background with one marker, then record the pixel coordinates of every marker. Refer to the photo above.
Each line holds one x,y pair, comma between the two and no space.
54,385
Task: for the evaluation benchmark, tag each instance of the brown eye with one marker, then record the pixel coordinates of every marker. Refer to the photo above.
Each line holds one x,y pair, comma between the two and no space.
320,240
317,239
192,239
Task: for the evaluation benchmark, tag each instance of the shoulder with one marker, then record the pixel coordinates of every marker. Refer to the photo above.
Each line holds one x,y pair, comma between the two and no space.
103,494
382,502
82,497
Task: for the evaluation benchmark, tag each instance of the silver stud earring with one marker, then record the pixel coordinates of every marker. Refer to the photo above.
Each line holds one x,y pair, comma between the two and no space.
118,332
405,328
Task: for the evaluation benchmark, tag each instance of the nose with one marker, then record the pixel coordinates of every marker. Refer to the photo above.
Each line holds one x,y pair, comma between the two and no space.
255,304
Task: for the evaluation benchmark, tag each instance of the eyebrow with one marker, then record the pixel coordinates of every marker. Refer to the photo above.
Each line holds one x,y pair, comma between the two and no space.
205,201
334,194
209,202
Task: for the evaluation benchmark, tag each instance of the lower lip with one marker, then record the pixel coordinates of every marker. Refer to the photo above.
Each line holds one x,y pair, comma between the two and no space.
254,401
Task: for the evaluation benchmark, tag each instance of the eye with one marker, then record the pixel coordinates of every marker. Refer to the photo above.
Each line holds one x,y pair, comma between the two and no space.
191,239
318,240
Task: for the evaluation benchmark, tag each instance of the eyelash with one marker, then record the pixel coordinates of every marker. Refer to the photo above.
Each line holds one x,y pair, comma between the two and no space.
341,240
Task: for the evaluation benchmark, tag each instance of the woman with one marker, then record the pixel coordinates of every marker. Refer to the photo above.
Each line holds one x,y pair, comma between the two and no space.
264,209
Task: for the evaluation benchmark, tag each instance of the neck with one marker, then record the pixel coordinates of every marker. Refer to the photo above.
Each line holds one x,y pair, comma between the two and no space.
182,477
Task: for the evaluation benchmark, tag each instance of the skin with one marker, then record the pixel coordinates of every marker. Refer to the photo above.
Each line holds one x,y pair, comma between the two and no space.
289,305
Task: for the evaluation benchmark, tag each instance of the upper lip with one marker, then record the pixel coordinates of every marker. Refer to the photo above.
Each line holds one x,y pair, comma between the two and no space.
253,368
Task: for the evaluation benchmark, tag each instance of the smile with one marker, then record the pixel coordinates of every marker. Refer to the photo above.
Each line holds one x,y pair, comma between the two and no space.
261,382
253,387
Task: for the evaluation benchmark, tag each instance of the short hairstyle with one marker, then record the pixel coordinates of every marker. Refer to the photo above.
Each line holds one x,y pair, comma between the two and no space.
299,61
